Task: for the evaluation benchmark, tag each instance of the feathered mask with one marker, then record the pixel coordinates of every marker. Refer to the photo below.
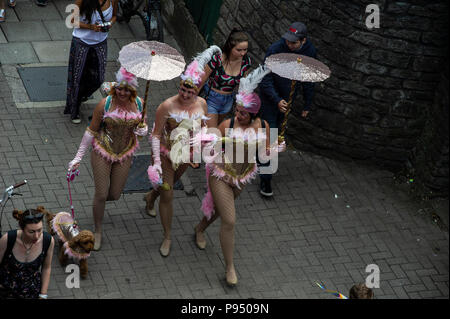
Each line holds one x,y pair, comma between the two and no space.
194,71
245,97
125,78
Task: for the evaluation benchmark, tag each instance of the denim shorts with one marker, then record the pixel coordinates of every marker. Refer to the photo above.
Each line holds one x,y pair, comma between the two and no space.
218,103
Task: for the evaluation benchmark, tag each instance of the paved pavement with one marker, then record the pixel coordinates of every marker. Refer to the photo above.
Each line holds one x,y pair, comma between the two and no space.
327,222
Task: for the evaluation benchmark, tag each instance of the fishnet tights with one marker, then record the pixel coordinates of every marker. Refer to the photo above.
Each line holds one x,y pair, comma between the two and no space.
224,196
109,180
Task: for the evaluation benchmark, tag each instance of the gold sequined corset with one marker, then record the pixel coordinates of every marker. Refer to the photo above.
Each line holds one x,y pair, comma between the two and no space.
117,137
181,120
237,168
171,124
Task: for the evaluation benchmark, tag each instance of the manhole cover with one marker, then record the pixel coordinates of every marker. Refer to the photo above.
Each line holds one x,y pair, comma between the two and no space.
137,181
45,83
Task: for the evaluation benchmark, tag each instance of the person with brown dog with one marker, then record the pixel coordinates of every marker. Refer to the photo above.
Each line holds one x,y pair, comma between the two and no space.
113,134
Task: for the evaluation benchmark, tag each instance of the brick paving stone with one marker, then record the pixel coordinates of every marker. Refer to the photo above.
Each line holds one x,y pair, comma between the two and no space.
283,245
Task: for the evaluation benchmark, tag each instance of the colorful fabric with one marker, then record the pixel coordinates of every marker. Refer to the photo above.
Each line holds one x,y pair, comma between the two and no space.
222,81
21,280
86,72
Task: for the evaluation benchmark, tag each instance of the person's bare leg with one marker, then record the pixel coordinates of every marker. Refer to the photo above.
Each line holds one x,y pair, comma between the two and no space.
150,198
213,120
220,118
165,202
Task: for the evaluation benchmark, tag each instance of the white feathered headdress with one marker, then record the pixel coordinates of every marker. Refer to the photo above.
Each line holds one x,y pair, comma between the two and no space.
195,70
247,85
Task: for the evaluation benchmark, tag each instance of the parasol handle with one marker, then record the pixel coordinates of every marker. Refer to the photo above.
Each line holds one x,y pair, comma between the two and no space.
288,110
144,108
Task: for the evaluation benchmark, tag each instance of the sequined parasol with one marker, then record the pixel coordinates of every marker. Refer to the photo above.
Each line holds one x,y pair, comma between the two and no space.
296,67
152,61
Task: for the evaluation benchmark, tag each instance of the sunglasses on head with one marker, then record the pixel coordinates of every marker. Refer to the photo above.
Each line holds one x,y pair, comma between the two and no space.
34,218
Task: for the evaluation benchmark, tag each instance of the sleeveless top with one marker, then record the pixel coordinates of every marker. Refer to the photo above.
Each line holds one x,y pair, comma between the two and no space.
116,140
222,81
175,147
238,170
91,37
22,279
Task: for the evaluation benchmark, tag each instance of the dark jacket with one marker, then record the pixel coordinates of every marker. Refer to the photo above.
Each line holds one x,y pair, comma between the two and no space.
274,88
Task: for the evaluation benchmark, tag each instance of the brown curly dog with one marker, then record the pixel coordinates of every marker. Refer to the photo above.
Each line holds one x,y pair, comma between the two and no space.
77,247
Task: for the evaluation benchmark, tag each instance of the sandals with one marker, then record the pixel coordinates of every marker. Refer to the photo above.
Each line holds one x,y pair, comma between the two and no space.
2,15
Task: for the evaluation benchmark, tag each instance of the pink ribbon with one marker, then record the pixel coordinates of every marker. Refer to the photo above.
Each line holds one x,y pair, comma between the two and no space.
70,177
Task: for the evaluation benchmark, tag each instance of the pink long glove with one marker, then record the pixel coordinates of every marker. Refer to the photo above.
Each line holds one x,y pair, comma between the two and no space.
84,147
156,149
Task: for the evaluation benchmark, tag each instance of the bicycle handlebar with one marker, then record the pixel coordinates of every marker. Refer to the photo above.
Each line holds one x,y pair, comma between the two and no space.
20,184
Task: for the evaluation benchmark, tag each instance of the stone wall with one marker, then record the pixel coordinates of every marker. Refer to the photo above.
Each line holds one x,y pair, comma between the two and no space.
181,24
376,103
429,160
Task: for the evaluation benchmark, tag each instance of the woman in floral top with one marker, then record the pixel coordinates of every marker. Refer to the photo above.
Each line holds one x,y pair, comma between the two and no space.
26,258
223,74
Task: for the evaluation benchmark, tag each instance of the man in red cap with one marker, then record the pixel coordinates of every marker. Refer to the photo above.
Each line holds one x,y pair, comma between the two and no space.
274,90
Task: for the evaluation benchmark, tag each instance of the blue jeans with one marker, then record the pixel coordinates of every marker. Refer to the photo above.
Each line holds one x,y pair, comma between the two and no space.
218,103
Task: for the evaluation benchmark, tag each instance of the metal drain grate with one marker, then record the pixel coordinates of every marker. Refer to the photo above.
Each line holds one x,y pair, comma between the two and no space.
45,83
137,181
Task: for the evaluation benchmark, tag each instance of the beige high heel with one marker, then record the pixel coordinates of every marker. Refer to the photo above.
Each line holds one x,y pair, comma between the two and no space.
231,278
199,239
97,241
164,250
150,211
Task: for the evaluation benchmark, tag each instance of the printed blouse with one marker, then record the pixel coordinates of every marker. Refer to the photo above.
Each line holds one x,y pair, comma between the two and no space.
222,81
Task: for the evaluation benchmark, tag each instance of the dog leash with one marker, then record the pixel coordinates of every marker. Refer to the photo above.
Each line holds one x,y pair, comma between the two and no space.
70,177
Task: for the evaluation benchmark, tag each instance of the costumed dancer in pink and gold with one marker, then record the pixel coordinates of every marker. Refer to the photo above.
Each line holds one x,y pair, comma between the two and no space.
184,111
226,177
116,123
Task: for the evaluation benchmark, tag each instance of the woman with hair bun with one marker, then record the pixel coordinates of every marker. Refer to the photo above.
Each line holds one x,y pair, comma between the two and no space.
26,258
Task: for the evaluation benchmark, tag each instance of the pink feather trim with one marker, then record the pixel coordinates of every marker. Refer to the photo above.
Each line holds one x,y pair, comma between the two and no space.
220,173
75,255
124,75
208,201
113,158
193,73
122,115
154,177
251,102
